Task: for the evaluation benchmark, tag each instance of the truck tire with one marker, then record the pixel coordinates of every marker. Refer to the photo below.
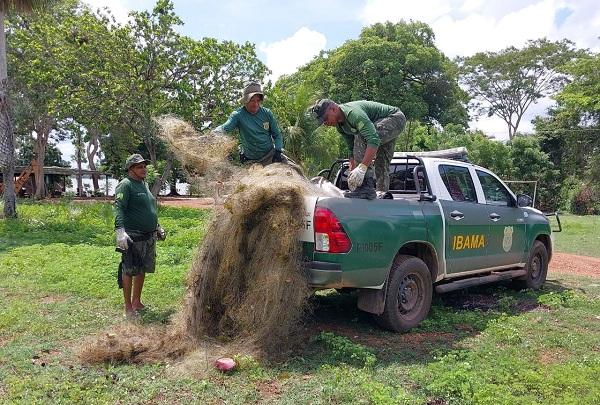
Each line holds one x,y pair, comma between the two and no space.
537,267
408,295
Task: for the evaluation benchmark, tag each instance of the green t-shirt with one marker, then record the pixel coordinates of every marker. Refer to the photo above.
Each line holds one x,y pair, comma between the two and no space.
258,131
360,116
135,206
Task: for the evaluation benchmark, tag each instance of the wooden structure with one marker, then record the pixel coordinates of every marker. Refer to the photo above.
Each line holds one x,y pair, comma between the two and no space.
55,179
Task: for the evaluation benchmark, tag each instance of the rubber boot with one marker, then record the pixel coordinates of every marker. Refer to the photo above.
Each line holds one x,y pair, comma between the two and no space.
367,189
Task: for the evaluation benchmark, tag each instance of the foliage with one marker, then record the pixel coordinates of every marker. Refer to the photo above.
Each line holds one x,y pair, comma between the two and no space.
507,82
570,134
345,350
396,64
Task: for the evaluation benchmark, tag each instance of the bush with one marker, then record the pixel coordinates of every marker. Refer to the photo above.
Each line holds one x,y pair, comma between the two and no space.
583,202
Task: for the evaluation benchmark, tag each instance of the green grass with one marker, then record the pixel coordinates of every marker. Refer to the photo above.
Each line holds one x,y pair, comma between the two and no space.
580,235
488,345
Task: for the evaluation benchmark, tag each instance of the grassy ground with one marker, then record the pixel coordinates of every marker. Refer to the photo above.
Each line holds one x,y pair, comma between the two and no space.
580,235
489,345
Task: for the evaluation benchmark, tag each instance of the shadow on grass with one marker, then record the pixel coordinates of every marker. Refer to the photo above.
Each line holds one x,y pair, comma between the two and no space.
454,317
151,316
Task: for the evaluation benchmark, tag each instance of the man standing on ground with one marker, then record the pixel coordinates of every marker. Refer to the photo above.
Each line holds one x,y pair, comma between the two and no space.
370,129
136,225
260,138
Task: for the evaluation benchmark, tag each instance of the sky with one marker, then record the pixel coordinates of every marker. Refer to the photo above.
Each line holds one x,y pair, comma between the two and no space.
288,34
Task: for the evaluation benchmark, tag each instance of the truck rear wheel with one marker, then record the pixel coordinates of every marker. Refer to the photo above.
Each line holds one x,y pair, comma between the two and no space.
537,267
408,295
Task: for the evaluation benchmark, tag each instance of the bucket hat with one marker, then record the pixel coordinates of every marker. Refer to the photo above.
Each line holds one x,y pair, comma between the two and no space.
250,90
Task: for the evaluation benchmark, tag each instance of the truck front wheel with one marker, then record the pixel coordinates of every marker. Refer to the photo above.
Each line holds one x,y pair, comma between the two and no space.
537,267
408,295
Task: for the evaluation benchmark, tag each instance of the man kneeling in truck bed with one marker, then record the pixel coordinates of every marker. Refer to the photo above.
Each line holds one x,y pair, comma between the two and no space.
450,225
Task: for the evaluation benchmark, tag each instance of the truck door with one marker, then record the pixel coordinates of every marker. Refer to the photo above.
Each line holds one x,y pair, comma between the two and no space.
507,244
466,221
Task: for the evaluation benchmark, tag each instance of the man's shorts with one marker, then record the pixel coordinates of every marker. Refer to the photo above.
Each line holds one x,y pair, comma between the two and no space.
140,257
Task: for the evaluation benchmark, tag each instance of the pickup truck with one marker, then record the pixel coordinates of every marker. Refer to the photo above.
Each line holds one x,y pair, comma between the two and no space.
446,224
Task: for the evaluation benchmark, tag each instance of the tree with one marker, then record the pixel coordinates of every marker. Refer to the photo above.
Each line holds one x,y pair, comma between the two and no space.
570,134
507,82
397,64
36,46
7,147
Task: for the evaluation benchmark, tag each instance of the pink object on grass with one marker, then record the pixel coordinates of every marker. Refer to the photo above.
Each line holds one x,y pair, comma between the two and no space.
225,364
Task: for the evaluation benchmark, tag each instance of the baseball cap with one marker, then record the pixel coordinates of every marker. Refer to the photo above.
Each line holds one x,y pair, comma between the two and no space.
320,108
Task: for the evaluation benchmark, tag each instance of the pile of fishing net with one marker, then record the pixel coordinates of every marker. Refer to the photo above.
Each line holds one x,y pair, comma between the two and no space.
247,287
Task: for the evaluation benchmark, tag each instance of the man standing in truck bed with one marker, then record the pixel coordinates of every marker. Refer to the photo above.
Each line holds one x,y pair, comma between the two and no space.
370,129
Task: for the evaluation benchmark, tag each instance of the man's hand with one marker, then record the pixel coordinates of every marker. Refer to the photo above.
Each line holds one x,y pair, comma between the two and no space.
357,176
123,239
277,157
161,234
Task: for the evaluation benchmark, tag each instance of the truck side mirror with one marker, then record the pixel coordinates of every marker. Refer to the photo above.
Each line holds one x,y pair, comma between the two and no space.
523,200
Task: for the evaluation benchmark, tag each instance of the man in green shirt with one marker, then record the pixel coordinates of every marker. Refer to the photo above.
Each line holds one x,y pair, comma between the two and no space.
260,138
370,130
137,228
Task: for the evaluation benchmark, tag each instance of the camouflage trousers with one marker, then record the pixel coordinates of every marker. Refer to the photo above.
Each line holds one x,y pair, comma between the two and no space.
140,257
388,129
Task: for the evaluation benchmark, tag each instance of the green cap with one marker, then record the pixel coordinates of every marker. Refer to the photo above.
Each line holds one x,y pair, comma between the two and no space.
134,160
318,110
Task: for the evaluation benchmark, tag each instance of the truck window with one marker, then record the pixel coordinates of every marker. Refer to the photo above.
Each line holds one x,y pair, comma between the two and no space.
458,182
401,178
495,193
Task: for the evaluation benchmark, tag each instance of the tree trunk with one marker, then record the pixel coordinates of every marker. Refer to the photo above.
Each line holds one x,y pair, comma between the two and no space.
92,149
42,129
7,143
173,186
163,177
79,176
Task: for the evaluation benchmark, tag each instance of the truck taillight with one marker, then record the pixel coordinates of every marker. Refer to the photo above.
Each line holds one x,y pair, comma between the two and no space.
329,234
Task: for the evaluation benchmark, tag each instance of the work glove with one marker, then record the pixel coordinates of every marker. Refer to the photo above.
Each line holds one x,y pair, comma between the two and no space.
161,234
356,177
277,157
123,239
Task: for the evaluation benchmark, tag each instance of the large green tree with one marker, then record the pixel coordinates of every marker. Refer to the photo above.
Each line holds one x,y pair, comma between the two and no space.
507,82
396,64
7,143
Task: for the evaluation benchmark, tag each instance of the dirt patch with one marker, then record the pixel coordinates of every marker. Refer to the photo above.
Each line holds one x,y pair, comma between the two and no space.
574,264
187,202
51,299
269,389
46,357
551,356
461,300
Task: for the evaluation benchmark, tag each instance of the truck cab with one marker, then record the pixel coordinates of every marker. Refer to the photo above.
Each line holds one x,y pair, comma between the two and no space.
445,224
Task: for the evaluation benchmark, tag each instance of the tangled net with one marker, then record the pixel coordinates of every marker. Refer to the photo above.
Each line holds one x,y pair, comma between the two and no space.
247,286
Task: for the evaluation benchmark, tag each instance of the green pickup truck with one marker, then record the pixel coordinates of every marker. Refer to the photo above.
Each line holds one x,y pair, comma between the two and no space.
445,224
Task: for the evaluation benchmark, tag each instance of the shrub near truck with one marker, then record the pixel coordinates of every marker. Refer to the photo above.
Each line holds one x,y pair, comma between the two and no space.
444,225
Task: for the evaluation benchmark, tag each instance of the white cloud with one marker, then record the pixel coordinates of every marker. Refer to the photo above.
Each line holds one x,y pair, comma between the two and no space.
285,56
471,26
463,27
117,8
393,10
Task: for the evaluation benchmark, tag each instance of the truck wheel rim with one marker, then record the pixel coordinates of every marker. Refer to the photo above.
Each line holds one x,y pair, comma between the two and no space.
409,294
536,267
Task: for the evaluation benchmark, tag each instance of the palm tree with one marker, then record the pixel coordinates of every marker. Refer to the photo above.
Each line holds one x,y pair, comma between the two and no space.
7,146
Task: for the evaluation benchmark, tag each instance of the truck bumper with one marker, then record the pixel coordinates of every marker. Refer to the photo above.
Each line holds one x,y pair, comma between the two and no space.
324,274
